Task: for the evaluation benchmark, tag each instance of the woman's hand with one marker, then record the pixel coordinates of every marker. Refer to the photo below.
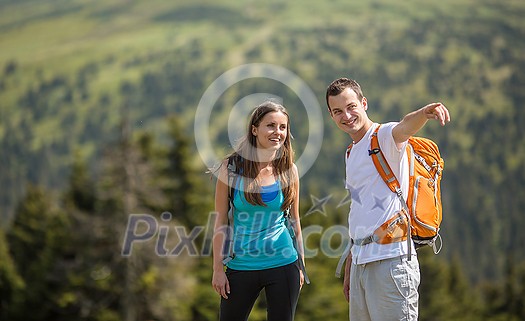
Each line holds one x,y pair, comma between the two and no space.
301,279
346,287
346,282
220,283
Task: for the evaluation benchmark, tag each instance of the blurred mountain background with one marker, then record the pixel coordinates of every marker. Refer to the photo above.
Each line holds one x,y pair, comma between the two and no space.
97,110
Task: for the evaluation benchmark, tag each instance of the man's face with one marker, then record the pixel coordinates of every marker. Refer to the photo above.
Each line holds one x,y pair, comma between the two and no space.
348,112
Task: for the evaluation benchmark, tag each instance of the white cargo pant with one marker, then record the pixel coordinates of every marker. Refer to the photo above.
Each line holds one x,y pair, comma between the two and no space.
385,290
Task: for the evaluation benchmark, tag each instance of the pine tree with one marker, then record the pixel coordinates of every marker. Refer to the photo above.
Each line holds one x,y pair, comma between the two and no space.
191,201
445,293
36,242
90,292
11,284
505,300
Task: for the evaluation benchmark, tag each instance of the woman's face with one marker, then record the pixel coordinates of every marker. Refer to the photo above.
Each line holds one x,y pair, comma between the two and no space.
272,131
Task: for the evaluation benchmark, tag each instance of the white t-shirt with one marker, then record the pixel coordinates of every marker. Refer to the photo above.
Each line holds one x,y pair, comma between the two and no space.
373,203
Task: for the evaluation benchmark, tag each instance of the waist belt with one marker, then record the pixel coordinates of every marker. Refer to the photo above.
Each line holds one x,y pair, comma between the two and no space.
393,230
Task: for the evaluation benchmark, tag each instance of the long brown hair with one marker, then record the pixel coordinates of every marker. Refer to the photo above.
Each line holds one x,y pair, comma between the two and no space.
282,164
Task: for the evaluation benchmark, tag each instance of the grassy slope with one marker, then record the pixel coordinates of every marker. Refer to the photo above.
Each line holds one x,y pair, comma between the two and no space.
52,38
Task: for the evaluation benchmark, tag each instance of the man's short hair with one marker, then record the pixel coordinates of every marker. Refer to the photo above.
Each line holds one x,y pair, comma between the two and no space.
339,85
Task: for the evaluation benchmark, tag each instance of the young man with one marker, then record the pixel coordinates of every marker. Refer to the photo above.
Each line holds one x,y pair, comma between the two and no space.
380,281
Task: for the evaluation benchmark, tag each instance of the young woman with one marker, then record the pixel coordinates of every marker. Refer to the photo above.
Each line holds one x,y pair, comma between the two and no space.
266,187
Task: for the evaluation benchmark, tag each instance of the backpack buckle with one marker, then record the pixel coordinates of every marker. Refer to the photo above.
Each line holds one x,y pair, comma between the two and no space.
373,151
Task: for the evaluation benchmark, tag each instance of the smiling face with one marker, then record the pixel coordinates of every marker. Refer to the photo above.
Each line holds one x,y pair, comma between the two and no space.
349,113
272,131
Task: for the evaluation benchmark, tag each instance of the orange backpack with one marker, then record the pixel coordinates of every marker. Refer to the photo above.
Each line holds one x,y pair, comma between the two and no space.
422,211
424,192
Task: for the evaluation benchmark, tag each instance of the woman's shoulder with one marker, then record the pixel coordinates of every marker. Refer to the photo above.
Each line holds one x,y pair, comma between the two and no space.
222,169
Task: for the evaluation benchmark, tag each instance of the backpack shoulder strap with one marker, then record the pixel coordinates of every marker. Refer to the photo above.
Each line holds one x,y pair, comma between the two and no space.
290,226
388,176
381,163
348,149
233,175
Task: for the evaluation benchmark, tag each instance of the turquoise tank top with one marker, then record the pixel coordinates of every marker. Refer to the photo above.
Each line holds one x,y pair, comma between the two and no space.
261,240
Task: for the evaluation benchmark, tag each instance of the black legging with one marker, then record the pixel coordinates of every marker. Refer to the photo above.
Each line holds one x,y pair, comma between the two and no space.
281,285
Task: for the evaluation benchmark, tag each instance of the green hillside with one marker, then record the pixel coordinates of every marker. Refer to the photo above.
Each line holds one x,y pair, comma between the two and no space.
73,72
